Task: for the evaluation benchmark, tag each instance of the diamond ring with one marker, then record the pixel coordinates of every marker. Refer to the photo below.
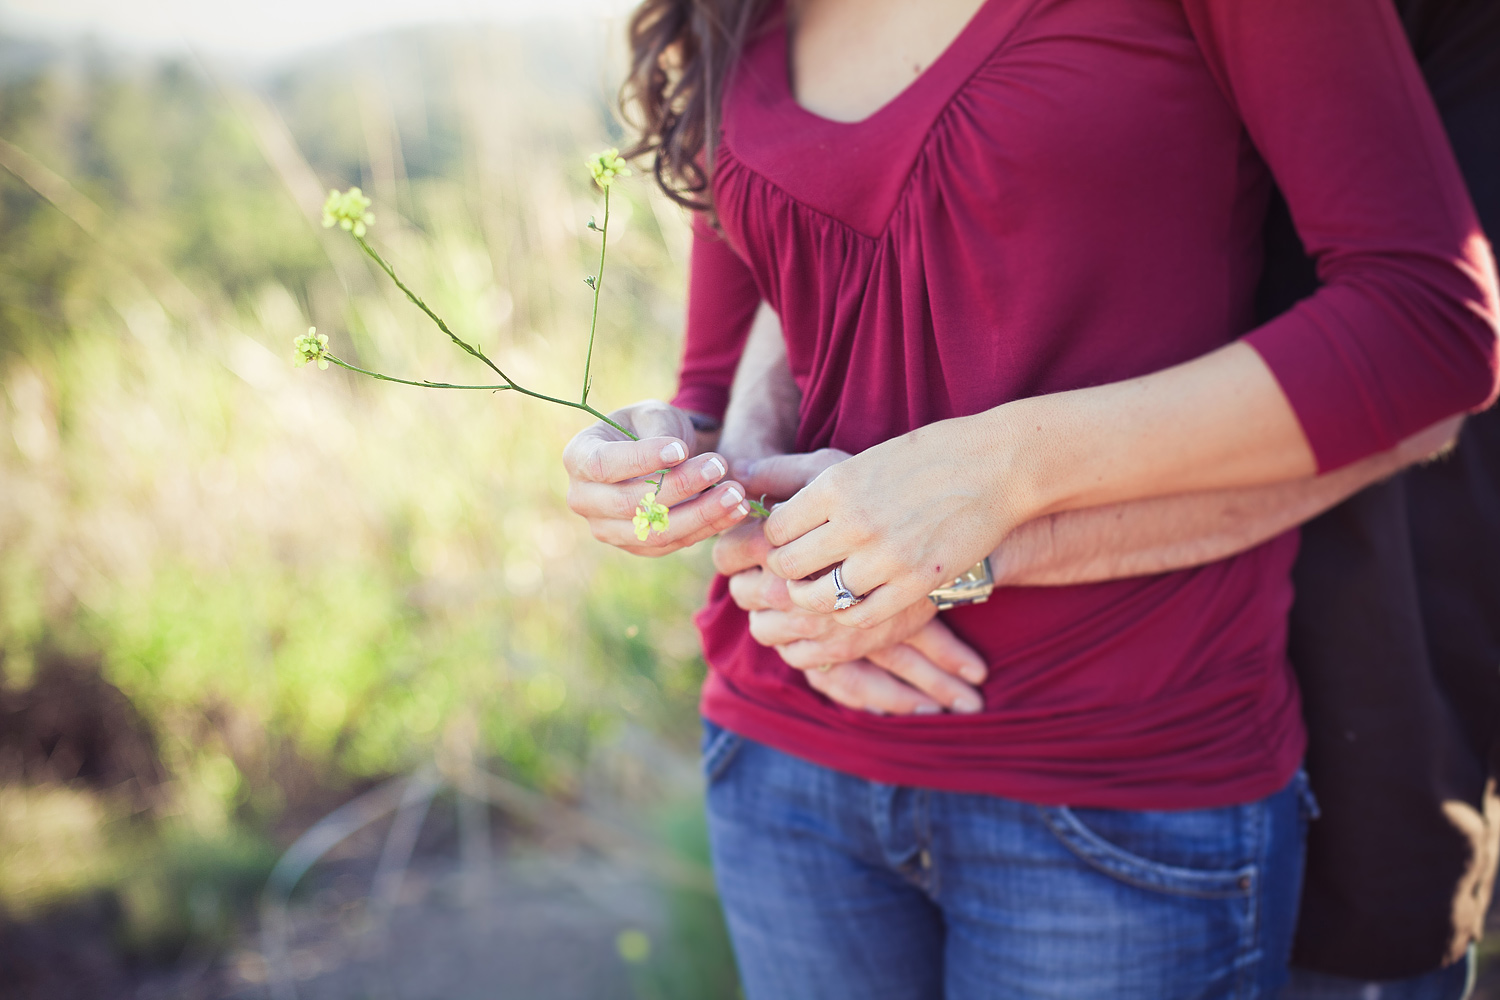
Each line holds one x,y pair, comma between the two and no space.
843,598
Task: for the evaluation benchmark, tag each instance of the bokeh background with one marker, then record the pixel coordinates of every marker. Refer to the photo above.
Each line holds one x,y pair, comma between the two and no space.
311,686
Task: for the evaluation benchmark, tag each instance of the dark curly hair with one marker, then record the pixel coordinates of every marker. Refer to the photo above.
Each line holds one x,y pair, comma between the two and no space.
681,55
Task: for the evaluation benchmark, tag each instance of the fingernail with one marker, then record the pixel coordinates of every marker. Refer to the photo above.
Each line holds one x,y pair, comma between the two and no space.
926,708
973,674
742,510
673,452
967,703
731,497
713,470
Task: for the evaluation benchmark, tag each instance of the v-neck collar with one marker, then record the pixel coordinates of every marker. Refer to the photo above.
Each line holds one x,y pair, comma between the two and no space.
953,65
851,171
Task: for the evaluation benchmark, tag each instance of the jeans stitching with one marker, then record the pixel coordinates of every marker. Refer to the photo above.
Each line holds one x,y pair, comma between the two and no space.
722,748
1141,872
1256,821
925,840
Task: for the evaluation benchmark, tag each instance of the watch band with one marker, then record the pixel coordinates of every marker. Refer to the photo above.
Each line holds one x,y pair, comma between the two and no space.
973,587
703,423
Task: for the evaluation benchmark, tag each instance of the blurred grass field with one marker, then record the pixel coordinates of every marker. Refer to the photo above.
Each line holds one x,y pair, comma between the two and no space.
232,592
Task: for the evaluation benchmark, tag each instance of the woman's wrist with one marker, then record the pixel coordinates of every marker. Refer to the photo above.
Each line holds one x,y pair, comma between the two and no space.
1005,464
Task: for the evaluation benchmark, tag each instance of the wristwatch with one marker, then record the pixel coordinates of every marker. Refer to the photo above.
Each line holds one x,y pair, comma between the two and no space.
703,423
973,587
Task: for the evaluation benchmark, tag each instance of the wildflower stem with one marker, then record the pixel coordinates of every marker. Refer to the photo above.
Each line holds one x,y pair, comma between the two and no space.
416,300
510,383
423,384
598,284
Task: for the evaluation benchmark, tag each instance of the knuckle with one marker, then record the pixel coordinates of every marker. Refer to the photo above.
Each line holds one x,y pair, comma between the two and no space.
624,503
803,600
774,532
807,627
840,647
724,559
593,466
796,654
658,542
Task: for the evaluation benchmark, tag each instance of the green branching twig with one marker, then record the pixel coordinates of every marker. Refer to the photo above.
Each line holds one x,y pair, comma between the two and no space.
416,300
597,284
350,212
424,384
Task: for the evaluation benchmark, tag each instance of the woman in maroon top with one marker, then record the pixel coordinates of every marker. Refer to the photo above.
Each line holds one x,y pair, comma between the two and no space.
1013,246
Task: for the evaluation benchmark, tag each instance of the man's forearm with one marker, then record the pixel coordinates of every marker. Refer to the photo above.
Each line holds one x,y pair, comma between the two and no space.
763,403
1135,538
1162,534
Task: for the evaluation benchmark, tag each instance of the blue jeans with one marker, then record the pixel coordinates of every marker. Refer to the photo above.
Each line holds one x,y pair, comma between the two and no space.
1453,983
835,887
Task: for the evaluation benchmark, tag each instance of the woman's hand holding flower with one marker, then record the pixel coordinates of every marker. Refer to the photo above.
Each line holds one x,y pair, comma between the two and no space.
607,481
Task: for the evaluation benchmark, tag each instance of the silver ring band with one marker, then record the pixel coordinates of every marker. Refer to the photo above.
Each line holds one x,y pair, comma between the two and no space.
843,598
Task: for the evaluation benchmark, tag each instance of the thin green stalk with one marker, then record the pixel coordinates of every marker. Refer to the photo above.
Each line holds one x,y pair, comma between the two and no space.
416,300
511,386
350,211
598,286
510,383
424,384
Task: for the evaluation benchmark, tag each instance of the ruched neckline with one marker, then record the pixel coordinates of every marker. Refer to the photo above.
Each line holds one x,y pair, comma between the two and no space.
853,172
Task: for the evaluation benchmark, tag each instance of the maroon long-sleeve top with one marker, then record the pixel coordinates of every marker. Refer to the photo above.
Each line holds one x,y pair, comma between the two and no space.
1071,195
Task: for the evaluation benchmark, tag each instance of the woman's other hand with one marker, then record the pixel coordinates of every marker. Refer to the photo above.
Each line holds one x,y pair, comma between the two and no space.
606,480
901,519
912,663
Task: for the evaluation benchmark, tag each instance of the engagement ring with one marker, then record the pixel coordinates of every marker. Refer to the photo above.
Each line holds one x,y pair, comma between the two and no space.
843,598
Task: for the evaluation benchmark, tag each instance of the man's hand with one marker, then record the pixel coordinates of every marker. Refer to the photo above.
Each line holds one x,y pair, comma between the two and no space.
606,482
911,663
780,477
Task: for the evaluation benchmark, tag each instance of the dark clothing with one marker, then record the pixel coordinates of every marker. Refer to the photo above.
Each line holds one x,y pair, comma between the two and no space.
1395,634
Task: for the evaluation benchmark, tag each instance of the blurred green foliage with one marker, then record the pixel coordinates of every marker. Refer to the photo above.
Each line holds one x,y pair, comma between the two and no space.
300,581
696,961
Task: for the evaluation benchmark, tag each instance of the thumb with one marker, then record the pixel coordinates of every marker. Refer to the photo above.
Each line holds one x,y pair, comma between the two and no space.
782,476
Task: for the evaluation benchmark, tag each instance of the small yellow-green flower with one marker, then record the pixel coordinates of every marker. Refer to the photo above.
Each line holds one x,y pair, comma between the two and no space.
606,166
649,516
349,211
312,347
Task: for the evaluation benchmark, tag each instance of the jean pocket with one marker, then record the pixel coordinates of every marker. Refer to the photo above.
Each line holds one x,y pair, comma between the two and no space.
1200,853
719,748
